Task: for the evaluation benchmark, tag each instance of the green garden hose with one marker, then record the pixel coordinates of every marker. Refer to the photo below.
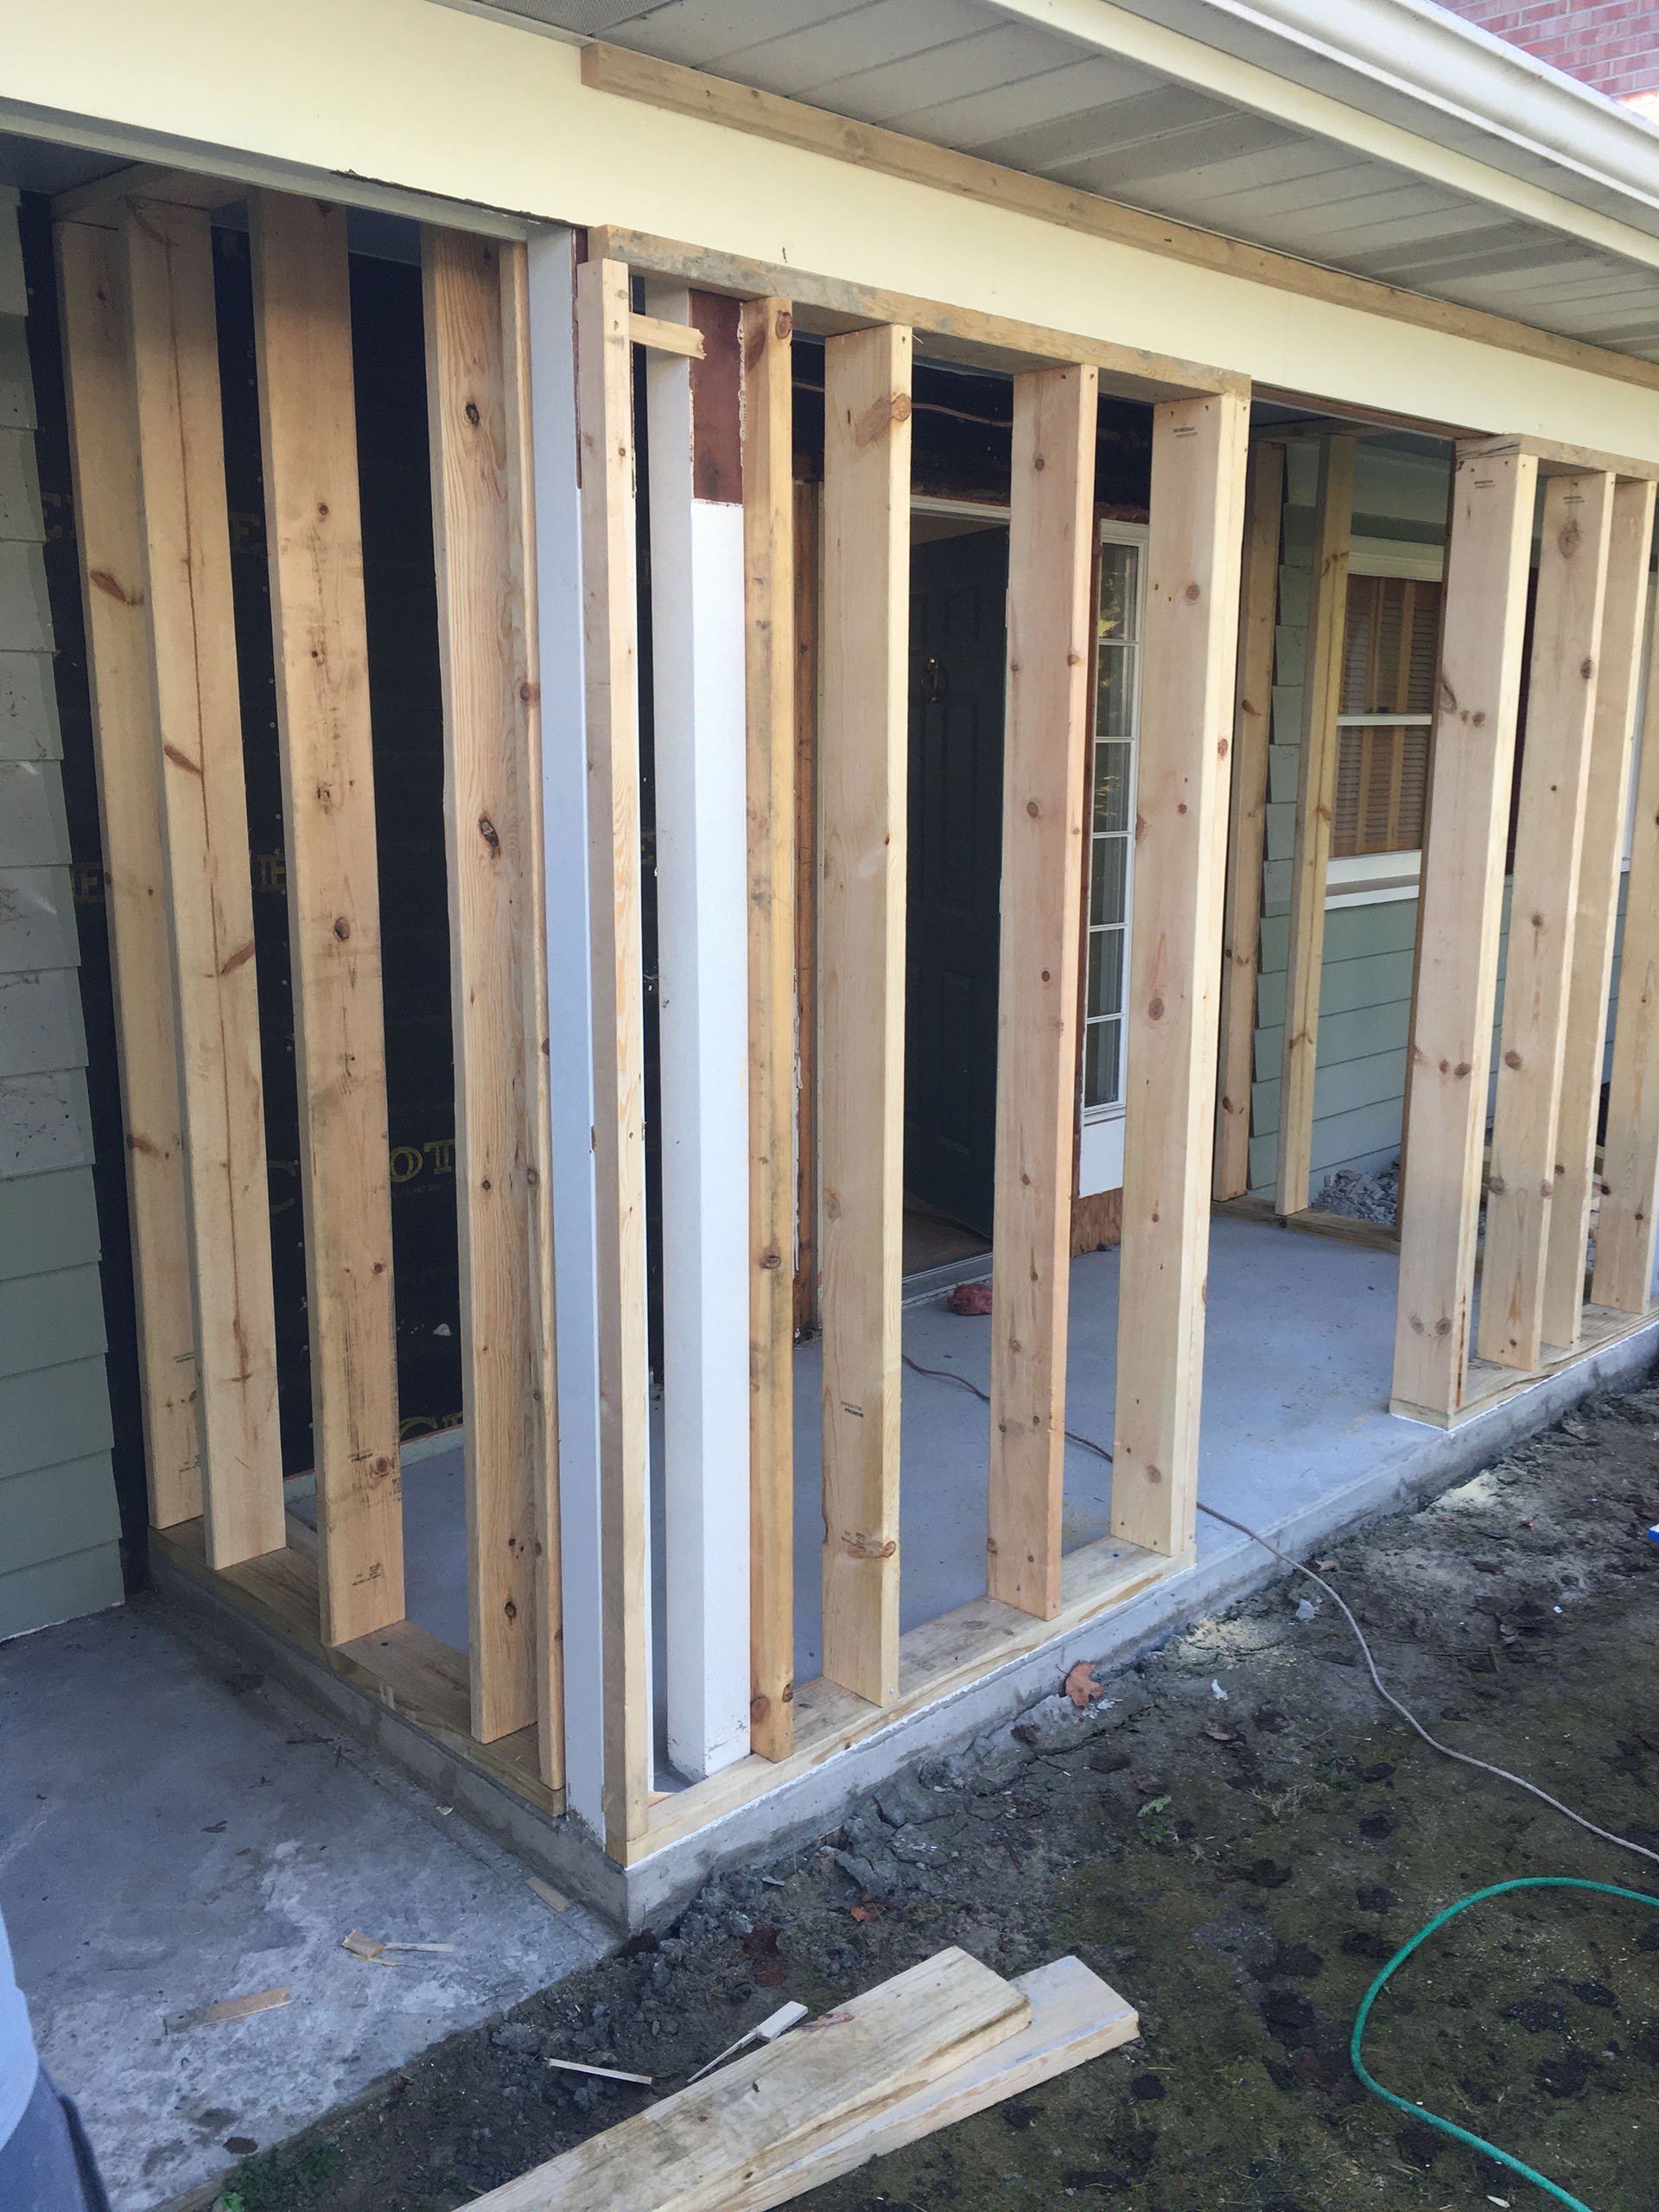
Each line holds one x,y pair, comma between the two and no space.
1434,2120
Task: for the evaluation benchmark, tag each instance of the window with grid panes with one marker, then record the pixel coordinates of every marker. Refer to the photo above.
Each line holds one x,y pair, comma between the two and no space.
1117,688
1391,649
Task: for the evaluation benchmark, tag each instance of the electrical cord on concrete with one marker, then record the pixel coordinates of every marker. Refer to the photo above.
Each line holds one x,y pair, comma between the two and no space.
1464,1758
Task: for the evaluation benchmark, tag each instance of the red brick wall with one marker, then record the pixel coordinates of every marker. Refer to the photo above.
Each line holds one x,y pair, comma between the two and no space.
1612,44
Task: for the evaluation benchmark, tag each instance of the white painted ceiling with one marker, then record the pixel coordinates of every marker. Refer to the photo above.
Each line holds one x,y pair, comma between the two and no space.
1039,84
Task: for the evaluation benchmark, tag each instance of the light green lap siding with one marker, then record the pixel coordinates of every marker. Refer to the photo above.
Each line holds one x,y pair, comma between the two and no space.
59,1590
59,1526
50,1221
53,1512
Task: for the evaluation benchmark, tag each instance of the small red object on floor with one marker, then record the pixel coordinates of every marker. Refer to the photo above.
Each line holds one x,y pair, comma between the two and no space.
970,1298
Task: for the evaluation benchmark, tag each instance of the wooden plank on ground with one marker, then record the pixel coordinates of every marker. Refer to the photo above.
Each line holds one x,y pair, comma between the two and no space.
769,625
1628,1219
1601,873
1075,2016
864,771
695,2151
489,830
170,269
1316,786
1460,909
607,540
1194,552
1241,944
1051,568
1543,909
109,533
302,331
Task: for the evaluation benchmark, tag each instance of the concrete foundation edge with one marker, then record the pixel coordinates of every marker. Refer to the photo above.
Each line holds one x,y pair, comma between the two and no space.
799,1812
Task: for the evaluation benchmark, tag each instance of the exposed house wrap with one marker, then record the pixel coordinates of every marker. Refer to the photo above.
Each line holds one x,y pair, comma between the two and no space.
59,1553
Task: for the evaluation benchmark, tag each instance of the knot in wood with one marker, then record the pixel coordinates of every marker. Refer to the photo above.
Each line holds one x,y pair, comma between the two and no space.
1192,595
772,1260
487,831
1511,1059
342,928
472,415
511,1610
1033,809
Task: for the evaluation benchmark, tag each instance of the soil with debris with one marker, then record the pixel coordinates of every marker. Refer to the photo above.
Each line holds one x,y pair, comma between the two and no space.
1237,1837
1362,1194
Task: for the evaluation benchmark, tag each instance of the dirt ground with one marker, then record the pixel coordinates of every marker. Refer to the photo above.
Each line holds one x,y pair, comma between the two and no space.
1236,1840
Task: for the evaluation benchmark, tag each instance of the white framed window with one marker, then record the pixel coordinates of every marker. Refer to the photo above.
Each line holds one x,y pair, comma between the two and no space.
1120,616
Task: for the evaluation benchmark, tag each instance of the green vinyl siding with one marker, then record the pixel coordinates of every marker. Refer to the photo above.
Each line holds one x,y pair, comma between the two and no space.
60,1553
1365,982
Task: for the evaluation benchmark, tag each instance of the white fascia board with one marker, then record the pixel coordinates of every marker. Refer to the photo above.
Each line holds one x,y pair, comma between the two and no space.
1365,97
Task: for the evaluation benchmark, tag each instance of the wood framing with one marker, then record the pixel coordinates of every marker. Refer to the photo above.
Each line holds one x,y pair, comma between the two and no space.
1543,905
864,767
1051,568
605,407
1194,554
535,1043
890,152
1600,873
1240,944
476,403
109,533
302,331
1459,910
808,871
830,307
204,825
769,591
1628,1219
1315,784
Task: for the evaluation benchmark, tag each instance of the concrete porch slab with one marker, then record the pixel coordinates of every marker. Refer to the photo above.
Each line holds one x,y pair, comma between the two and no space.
175,1829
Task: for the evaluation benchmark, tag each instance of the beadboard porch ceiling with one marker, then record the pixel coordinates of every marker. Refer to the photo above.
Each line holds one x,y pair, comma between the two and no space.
1383,137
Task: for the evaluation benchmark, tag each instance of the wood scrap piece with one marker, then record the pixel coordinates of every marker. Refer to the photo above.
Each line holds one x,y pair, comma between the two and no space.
605,2073
365,1947
555,1900
692,2151
228,2008
1075,2016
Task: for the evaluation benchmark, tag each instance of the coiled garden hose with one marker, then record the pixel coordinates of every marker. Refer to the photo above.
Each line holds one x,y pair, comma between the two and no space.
1432,2119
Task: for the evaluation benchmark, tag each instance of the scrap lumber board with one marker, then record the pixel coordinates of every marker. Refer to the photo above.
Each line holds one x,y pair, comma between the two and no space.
696,2152
1075,2016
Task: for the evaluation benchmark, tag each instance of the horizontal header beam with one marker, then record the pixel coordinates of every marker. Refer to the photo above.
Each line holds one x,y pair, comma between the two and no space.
829,306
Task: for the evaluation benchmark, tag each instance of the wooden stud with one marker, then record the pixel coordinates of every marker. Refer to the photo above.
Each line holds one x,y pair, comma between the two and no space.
1543,906
473,337
1459,910
1194,551
302,330
769,591
169,268
1240,944
109,533
1600,875
660,337
1051,567
808,873
604,401
1628,1219
865,769
1315,784
536,1042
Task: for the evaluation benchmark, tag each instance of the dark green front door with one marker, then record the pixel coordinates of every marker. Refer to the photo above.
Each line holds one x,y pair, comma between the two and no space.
958,653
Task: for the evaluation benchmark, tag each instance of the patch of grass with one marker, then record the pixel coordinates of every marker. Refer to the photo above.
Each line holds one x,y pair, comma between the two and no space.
285,2179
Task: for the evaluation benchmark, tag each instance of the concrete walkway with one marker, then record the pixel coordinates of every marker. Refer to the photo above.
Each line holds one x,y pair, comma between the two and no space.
173,1831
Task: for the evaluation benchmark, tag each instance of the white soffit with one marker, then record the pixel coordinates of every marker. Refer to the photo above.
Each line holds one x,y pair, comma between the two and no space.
1385,138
